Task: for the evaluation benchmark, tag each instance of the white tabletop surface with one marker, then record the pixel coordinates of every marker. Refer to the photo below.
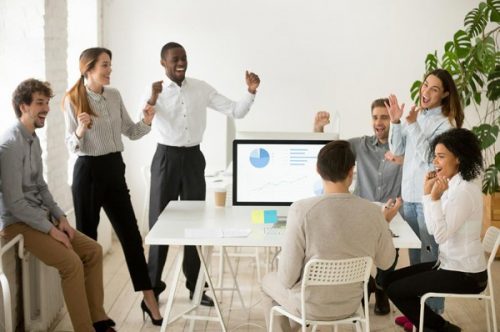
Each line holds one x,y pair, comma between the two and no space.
181,215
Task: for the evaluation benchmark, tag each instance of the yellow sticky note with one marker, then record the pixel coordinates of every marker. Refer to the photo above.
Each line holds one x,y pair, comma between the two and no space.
258,216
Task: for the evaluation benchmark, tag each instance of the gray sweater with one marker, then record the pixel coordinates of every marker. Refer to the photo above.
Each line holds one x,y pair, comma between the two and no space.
333,226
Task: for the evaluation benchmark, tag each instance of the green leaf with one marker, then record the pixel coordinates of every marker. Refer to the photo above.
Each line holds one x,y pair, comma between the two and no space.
415,90
431,62
486,133
493,87
497,161
451,63
490,180
475,21
493,9
484,54
462,43
449,47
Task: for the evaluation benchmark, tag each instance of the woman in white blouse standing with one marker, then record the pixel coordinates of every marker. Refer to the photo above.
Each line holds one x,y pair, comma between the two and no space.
95,121
453,208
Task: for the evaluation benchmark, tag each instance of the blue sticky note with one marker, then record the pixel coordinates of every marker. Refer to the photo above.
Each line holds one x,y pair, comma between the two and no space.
270,216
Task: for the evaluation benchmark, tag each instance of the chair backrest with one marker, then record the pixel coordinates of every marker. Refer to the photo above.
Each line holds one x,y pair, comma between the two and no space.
491,242
323,272
320,272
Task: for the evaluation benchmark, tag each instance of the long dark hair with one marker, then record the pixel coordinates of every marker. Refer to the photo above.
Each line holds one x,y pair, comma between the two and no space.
451,105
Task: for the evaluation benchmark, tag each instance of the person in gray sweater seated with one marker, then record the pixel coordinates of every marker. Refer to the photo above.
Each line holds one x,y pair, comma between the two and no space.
335,225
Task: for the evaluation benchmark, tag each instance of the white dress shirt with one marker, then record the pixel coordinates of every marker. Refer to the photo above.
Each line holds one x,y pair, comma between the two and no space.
413,141
455,221
181,111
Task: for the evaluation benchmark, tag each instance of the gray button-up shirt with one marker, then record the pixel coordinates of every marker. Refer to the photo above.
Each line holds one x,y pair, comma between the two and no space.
24,195
111,122
377,179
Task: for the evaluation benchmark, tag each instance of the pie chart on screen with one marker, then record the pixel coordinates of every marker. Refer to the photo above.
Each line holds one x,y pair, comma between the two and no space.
259,158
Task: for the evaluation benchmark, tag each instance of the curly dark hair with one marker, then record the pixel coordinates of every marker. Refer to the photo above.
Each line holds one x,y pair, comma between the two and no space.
335,160
25,90
466,147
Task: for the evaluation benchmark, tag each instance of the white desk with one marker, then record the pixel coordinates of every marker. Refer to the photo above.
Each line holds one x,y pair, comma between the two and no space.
181,215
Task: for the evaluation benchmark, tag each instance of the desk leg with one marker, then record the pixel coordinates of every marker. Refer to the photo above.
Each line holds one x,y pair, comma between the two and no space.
233,274
211,286
171,294
221,270
199,288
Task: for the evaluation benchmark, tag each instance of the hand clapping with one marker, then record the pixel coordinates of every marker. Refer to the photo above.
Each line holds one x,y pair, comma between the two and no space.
395,110
435,185
391,208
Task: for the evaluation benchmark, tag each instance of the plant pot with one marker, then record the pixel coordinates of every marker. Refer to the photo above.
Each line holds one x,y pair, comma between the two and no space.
491,212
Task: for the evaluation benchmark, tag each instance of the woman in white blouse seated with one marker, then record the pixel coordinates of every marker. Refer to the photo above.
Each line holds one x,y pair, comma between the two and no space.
453,208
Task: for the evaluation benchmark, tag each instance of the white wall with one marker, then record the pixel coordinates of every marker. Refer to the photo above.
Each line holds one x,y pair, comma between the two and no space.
310,55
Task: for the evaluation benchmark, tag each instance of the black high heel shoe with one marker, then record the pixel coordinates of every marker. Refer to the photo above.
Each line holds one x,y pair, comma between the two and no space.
145,310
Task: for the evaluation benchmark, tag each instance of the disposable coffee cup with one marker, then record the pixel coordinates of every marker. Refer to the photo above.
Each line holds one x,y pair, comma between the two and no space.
220,196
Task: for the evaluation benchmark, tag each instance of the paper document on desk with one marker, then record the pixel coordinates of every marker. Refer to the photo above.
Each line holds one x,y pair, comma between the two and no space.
210,233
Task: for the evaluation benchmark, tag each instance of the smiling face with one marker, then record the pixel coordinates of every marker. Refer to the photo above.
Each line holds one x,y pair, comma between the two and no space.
175,64
33,115
381,122
100,74
445,162
432,92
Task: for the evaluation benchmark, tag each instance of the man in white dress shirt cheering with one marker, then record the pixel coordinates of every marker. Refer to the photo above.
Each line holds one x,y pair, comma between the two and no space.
178,166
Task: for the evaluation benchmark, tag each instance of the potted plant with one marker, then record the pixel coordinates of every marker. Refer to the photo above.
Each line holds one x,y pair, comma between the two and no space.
472,57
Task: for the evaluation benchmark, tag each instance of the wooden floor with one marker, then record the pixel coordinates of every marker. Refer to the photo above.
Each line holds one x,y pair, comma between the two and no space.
122,303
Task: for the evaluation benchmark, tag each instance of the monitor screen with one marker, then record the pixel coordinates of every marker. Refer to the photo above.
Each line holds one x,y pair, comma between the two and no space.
275,172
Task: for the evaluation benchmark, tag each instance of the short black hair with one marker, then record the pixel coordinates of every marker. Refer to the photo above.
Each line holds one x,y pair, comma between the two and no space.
167,47
335,160
24,93
464,145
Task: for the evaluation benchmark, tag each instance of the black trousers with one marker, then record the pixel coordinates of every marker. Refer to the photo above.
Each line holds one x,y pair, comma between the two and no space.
175,172
406,286
100,182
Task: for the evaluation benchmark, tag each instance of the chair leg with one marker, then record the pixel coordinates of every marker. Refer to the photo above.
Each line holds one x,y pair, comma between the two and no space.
271,321
493,313
421,321
487,308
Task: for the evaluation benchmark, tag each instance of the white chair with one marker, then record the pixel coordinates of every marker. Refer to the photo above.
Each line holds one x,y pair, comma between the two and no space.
320,272
491,242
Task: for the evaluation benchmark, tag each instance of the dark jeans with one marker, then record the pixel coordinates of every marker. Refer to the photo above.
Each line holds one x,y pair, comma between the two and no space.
406,286
175,172
99,182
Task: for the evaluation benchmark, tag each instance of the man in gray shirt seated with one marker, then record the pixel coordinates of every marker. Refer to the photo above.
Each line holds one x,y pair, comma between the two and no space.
27,208
336,225
378,172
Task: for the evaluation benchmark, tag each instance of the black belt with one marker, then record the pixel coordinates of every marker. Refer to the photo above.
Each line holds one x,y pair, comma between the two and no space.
178,148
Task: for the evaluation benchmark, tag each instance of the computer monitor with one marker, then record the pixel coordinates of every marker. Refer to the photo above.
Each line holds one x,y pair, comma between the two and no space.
275,172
